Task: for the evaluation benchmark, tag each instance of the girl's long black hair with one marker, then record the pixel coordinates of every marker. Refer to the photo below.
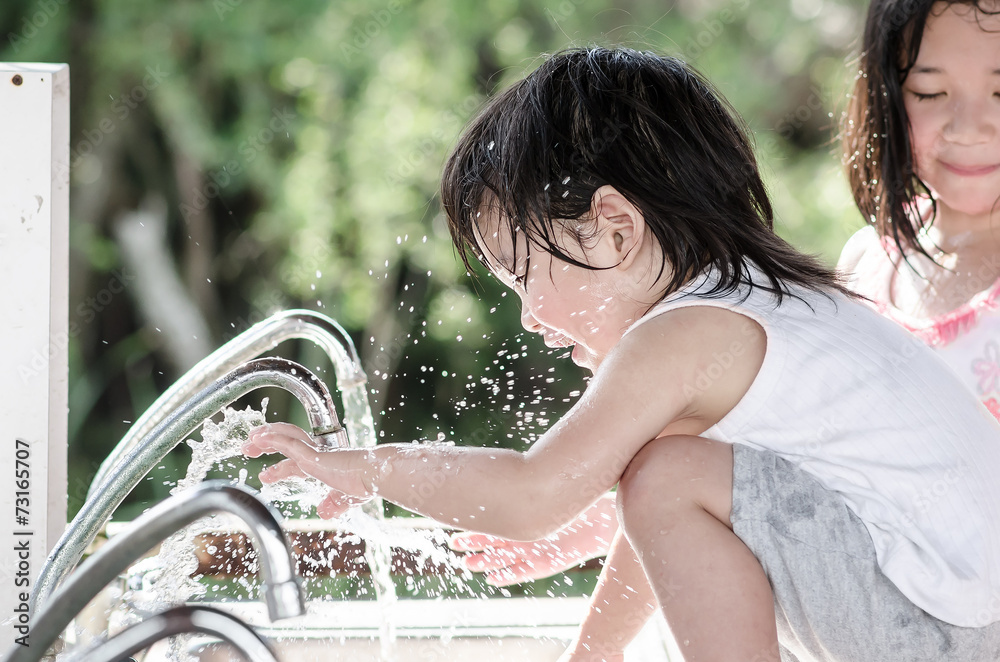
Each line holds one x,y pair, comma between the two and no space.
647,125
875,130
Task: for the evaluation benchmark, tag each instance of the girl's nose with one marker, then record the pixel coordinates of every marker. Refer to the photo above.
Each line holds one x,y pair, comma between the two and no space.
969,123
528,320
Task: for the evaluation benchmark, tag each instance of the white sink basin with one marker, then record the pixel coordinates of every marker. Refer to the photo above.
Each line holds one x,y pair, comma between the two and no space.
491,630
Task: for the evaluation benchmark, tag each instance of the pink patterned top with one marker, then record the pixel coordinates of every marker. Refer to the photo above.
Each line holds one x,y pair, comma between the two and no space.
968,338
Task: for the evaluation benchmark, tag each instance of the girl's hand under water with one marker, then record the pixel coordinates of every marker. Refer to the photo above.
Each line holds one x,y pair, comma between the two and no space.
508,562
348,472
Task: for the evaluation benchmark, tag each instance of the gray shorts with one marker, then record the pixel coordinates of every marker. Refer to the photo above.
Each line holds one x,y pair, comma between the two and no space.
831,600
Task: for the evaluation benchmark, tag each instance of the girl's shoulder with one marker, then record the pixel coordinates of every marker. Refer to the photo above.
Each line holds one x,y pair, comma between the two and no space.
700,355
867,263
861,243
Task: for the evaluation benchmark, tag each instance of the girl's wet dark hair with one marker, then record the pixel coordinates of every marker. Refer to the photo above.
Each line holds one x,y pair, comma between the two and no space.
875,130
647,125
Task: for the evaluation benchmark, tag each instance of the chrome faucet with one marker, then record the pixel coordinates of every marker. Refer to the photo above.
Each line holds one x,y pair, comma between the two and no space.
180,620
281,592
175,427
260,338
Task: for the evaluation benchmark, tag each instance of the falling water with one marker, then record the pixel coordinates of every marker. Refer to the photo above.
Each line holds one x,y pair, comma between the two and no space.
368,524
167,576
361,430
224,440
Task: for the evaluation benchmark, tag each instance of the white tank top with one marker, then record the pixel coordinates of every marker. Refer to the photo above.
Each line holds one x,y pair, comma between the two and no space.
878,417
967,338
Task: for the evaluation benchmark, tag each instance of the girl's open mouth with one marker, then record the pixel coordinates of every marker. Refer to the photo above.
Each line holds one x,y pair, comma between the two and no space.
558,342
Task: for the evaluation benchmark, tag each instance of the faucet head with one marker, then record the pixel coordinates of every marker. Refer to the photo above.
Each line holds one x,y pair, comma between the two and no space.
333,440
284,599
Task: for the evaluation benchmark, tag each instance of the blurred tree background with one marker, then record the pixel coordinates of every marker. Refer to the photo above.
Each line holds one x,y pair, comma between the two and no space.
231,158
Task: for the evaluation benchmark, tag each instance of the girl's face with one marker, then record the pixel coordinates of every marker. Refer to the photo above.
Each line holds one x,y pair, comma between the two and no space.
569,306
952,99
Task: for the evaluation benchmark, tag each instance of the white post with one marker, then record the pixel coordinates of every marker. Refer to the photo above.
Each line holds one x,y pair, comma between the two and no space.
34,302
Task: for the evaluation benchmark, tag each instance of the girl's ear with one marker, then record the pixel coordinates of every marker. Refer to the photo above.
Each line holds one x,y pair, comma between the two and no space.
621,227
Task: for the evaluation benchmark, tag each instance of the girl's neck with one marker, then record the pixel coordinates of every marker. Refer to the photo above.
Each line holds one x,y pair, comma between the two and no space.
965,252
955,232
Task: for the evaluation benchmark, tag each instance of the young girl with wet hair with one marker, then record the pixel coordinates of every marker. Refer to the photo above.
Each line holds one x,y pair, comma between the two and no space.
921,143
922,150
777,446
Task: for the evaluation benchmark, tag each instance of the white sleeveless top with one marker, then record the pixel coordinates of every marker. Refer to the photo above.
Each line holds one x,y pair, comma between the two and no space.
967,338
878,417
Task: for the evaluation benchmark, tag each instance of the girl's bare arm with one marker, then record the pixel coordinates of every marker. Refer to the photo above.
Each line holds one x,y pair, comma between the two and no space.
646,385
621,604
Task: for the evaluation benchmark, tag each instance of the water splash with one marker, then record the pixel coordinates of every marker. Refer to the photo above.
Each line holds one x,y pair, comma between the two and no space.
426,545
166,577
306,492
378,553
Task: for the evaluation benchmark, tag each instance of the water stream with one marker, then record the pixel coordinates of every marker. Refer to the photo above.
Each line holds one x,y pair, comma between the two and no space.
168,581
166,577
361,430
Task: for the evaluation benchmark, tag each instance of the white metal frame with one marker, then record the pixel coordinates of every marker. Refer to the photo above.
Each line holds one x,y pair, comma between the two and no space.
34,329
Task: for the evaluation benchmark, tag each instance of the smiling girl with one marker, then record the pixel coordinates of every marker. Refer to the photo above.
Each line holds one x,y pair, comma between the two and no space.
922,150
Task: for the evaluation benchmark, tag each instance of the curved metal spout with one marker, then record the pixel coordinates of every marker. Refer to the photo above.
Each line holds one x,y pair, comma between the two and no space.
171,431
179,620
260,338
282,593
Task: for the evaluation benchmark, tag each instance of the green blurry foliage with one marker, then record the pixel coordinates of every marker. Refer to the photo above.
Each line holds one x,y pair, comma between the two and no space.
297,146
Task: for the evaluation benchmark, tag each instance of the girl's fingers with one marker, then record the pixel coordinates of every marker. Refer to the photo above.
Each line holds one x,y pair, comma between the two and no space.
276,437
331,467
473,542
503,577
287,430
487,561
479,542
505,569
332,506
517,573
291,441
336,503
284,469
303,460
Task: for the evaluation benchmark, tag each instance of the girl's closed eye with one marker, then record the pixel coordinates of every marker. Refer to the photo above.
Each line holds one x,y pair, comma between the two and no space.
521,278
921,96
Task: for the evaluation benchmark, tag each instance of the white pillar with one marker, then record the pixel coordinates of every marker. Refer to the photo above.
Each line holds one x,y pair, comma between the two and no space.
34,273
